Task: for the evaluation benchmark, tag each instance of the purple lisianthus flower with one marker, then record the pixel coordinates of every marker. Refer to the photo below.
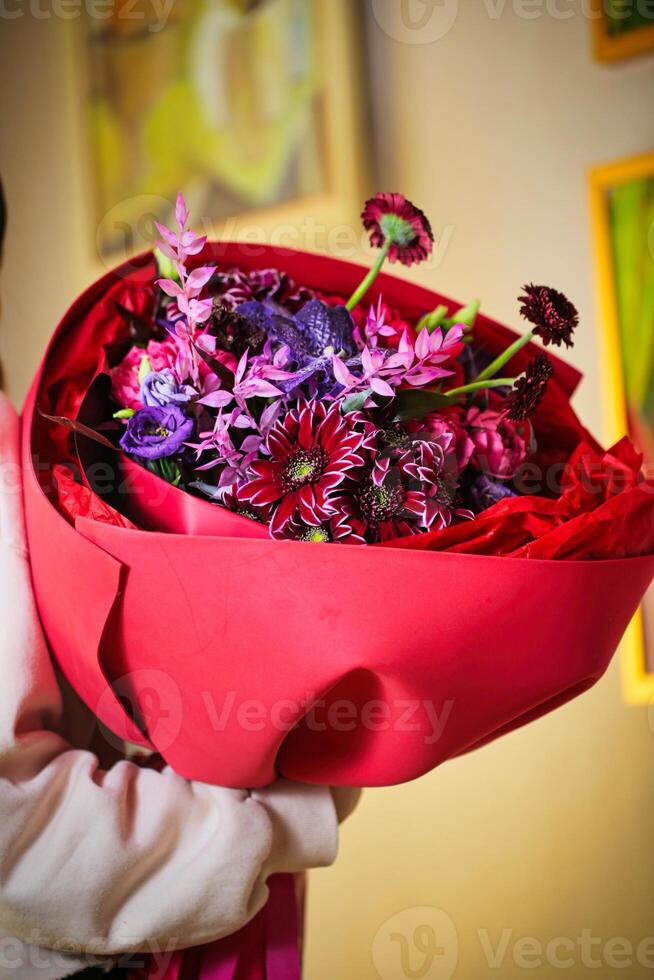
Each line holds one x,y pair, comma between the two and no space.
163,388
157,431
485,492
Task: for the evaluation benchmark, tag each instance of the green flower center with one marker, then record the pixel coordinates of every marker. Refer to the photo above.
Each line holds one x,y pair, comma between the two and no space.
249,513
303,466
380,503
399,230
395,438
445,493
319,535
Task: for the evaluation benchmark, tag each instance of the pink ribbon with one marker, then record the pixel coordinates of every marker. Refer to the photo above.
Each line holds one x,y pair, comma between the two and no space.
267,948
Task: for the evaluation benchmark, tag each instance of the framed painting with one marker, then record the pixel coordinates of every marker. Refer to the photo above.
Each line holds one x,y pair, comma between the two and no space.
623,215
235,103
622,28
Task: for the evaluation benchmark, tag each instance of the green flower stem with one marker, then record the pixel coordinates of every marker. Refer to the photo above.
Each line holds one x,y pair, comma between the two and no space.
479,385
504,358
363,288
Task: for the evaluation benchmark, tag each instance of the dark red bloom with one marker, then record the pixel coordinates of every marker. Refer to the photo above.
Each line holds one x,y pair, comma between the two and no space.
552,314
528,391
392,216
410,489
312,450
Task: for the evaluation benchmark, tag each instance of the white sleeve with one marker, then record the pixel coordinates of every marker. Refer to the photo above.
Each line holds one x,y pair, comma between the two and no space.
117,860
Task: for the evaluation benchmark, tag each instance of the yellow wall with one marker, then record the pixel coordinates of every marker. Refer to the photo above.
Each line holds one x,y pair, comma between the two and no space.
490,129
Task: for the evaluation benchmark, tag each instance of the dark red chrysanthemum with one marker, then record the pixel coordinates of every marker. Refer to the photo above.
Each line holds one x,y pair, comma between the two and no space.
392,216
528,391
552,314
312,450
408,491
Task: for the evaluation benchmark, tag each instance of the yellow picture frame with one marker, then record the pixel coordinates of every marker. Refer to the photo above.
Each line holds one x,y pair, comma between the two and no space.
637,680
637,41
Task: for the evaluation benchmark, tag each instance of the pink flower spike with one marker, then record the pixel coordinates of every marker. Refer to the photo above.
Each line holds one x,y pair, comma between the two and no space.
181,211
198,279
216,399
200,310
425,376
170,287
168,236
261,388
423,344
454,335
242,365
342,373
191,243
381,387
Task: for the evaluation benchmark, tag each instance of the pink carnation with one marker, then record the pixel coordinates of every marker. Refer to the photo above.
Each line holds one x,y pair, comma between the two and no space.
125,384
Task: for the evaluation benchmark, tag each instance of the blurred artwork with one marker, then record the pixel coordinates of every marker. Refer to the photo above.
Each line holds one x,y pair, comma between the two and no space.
222,98
623,196
631,216
622,28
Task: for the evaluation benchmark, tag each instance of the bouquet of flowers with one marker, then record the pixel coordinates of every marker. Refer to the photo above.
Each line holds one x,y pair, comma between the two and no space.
223,415
288,518
324,421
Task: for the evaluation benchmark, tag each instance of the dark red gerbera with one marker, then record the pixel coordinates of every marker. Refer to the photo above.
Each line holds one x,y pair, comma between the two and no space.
312,450
552,314
528,391
391,217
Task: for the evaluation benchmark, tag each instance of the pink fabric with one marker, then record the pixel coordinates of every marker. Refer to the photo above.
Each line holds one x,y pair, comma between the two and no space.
267,948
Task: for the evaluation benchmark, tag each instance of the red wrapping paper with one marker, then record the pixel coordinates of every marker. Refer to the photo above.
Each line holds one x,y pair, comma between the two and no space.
245,658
